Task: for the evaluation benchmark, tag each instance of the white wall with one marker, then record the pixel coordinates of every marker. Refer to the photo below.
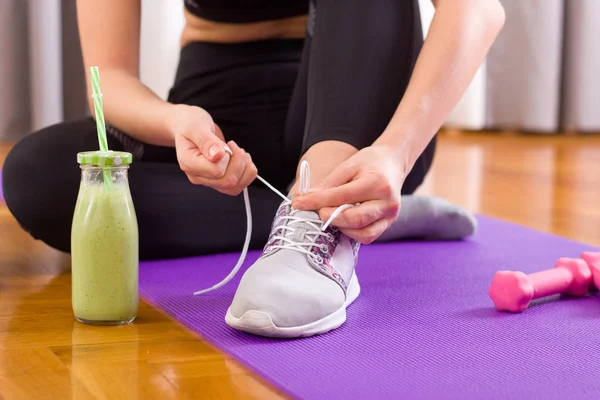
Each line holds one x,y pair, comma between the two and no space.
161,28
14,93
162,22
581,66
45,63
470,111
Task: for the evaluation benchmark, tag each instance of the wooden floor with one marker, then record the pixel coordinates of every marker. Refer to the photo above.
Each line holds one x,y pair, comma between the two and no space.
545,182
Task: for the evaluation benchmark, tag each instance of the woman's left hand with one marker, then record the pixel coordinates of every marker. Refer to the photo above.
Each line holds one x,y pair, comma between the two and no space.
372,177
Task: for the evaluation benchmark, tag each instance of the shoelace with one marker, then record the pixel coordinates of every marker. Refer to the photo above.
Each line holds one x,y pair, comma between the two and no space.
288,243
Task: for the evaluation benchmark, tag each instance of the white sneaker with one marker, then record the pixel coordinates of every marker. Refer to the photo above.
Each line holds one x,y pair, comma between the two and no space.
301,284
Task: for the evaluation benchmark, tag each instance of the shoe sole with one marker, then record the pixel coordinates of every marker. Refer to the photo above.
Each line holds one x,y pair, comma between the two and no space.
260,323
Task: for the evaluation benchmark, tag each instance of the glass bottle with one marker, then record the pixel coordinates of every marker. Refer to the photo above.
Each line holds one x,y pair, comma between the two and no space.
104,242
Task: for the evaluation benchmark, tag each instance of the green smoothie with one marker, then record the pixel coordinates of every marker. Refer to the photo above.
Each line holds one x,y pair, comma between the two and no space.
104,248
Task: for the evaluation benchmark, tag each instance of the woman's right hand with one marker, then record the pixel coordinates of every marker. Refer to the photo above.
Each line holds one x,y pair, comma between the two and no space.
202,155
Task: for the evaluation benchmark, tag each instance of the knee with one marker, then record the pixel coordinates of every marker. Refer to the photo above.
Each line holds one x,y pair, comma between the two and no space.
33,185
21,173
16,173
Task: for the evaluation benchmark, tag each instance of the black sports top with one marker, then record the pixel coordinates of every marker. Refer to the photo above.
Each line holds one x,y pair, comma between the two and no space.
240,11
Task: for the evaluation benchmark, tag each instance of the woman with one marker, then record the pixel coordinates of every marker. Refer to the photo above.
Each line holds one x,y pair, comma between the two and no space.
261,86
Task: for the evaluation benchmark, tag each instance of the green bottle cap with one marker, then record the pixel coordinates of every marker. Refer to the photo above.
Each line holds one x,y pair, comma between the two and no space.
105,158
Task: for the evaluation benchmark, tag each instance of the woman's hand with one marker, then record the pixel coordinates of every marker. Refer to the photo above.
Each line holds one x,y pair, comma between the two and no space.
201,152
372,177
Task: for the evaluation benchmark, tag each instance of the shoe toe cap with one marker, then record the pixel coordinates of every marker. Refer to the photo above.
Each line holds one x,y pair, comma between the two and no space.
291,294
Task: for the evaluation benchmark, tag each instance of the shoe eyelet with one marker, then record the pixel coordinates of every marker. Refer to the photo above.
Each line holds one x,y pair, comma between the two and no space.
324,248
330,237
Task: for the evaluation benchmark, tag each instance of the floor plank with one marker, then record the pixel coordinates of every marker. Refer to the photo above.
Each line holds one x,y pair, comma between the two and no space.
549,183
127,380
214,377
545,182
29,361
44,385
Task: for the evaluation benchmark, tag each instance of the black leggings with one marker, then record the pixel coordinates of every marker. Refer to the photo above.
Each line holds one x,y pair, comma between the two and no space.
275,98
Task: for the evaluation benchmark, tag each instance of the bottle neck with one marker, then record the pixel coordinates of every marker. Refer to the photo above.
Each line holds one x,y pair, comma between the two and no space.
94,174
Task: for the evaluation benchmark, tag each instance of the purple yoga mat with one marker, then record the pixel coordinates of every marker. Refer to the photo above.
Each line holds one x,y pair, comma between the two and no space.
422,328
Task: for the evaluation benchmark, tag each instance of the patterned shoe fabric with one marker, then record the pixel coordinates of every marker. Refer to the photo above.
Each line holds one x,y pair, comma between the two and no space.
303,281
301,231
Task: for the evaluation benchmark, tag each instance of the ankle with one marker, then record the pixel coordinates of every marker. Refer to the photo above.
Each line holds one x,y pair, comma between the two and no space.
323,158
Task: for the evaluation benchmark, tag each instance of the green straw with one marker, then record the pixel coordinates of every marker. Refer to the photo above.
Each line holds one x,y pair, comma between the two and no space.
100,125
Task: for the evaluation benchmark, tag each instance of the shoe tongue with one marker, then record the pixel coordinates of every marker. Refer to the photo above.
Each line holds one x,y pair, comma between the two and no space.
300,228
312,215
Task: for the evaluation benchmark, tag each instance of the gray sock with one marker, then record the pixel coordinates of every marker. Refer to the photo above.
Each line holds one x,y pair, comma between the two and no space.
428,217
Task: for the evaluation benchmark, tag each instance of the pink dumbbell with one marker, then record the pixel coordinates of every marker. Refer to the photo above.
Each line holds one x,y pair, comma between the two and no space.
513,290
593,261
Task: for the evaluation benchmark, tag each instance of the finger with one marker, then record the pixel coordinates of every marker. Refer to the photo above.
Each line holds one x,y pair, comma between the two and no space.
192,162
249,173
235,170
210,183
357,217
343,173
356,191
369,233
206,139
